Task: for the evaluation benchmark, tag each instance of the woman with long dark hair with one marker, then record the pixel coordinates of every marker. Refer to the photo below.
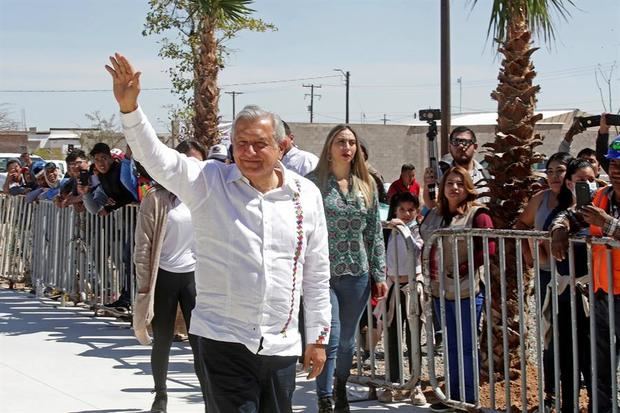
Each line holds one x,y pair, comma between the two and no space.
578,170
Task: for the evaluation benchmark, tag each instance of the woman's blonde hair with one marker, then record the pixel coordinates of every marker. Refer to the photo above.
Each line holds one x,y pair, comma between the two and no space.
443,207
361,180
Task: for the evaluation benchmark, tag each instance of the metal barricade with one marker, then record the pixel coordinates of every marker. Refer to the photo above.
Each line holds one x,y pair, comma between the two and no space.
459,365
409,371
79,256
15,236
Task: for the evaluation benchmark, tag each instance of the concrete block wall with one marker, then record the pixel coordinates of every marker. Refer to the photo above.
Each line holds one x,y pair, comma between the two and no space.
392,145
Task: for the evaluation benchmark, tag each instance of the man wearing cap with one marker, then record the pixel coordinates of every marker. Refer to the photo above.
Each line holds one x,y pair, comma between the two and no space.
218,152
603,218
248,278
293,158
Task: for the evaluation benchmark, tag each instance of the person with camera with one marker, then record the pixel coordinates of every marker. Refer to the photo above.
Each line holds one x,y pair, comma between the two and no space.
15,183
596,157
463,147
78,171
602,217
579,174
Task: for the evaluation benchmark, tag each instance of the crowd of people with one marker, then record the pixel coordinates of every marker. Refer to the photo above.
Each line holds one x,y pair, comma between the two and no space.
272,253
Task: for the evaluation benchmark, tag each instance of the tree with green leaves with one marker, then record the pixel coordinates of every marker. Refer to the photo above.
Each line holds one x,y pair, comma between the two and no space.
200,30
513,153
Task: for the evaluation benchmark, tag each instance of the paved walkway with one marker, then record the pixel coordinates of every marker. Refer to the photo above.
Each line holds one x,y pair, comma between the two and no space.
62,359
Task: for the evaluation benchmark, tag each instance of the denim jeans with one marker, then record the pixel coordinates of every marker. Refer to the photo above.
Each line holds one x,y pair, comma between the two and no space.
468,346
348,297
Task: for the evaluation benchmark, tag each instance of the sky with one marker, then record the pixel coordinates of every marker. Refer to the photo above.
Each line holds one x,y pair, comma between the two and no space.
52,57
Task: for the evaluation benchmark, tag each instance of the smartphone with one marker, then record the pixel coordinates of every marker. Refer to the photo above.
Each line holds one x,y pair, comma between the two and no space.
612,120
590,121
84,175
582,193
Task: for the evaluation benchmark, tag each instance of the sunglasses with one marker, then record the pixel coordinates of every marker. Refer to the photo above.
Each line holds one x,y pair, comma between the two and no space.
465,143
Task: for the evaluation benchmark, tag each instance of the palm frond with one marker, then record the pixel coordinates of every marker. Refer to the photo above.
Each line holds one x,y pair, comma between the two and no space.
233,10
539,14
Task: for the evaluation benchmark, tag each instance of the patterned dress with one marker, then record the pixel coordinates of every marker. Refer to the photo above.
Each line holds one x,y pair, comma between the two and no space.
355,237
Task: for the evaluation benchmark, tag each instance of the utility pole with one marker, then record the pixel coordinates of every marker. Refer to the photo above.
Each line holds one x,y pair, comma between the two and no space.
385,119
445,75
347,78
460,82
234,95
311,107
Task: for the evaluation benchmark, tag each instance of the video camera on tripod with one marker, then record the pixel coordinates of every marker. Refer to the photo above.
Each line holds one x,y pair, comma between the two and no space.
431,116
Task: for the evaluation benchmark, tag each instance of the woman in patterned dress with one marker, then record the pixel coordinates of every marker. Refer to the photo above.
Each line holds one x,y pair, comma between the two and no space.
356,253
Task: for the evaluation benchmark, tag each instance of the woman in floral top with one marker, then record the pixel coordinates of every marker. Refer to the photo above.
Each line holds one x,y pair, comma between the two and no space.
356,253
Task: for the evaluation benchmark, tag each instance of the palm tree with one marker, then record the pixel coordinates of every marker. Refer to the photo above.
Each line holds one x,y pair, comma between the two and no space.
215,14
511,156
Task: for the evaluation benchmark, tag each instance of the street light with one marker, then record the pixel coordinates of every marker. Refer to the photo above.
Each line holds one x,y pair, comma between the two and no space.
347,76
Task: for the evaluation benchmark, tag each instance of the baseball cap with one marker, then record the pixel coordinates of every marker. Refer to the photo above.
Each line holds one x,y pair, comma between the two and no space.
614,149
117,154
218,152
37,168
100,147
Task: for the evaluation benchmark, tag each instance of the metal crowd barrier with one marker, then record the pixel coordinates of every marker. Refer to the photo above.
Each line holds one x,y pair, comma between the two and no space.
531,345
380,374
83,257
15,238
88,259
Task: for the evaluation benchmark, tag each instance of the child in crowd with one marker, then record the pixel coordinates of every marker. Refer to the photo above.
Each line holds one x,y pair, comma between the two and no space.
404,270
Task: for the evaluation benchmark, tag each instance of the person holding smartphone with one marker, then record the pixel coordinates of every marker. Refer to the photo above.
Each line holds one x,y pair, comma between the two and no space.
577,188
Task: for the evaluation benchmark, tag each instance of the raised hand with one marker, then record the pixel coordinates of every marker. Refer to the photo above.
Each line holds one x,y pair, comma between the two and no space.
126,82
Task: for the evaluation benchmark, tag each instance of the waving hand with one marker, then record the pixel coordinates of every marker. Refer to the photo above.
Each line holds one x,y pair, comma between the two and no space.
126,82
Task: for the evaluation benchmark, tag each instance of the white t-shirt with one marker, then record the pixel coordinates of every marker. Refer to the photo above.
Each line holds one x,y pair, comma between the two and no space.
177,249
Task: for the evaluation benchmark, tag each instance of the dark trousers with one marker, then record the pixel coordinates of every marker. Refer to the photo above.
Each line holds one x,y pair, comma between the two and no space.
605,398
239,381
172,288
567,348
393,337
548,369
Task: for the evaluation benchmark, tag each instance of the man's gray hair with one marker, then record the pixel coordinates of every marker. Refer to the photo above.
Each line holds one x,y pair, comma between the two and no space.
254,112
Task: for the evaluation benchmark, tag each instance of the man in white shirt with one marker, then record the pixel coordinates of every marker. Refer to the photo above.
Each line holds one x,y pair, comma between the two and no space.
248,275
302,162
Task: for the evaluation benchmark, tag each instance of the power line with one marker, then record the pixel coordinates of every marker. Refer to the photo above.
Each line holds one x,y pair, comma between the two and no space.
265,82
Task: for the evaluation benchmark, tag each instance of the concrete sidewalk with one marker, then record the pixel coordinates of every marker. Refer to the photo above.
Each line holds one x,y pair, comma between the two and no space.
63,359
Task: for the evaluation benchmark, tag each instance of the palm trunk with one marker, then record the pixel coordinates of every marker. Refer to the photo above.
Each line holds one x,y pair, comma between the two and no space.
206,91
510,158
